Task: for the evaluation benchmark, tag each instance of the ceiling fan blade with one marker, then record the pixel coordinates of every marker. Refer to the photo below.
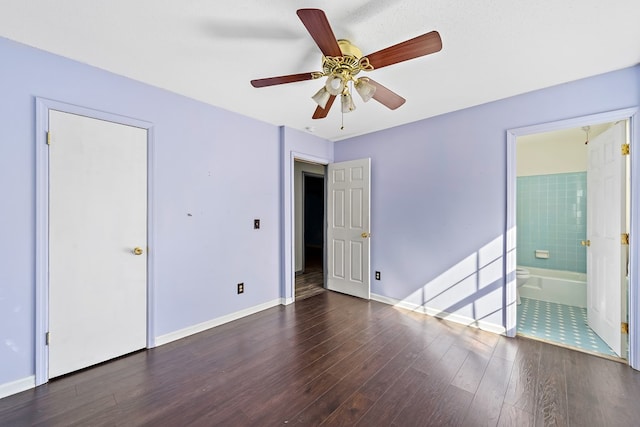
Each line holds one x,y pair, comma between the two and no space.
321,113
409,49
291,78
318,26
387,97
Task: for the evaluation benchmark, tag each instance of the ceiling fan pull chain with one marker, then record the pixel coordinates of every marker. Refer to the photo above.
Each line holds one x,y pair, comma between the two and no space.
342,124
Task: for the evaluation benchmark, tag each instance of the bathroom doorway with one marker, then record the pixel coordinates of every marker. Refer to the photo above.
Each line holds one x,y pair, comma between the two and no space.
557,206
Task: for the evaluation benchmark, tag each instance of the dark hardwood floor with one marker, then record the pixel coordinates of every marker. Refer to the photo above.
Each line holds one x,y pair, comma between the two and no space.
336,360
311,281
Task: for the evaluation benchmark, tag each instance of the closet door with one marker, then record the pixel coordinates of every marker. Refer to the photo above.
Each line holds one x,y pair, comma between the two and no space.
97,242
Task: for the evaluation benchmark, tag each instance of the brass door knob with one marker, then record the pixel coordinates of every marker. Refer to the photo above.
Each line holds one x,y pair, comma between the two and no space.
365,235
137,251
586,243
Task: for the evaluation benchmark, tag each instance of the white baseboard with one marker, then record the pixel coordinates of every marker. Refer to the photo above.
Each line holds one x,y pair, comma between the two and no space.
17,386
467,321
182,333
287,301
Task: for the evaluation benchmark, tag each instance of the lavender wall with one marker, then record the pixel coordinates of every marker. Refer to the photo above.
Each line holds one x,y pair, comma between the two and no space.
220,167
439,194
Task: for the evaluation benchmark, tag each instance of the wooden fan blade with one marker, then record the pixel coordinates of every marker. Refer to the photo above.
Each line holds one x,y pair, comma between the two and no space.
321,113
387,97
413,48
291,78
318,26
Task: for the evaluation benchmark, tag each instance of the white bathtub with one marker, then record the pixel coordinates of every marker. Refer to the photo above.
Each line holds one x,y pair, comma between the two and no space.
562,287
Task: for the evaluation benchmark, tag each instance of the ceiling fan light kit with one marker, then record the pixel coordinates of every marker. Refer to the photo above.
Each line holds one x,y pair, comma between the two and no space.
347,103
365,89
322,97
342,61
340,71
335,84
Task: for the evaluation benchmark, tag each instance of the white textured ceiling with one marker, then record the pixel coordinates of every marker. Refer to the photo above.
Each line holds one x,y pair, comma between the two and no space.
210,50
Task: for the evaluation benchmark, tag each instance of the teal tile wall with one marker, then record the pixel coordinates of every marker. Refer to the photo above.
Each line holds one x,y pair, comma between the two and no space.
551,215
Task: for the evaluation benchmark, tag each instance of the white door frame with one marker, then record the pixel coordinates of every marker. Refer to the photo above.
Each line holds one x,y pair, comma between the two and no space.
289,244
43,106
510,226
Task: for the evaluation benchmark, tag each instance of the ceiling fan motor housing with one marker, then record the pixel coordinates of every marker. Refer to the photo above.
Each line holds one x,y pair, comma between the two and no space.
348,48
349,64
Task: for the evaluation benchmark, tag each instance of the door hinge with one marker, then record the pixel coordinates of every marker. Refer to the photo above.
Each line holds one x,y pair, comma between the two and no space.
624,327
624,238
48,138
625,149
46,338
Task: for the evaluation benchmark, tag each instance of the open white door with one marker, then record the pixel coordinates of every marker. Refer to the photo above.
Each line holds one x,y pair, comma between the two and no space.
606,257
348,217
97,241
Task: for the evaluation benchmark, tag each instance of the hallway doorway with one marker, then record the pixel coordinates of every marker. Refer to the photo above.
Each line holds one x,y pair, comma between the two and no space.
310,229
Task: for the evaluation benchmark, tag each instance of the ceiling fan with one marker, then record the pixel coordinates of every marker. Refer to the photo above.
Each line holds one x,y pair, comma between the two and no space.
342,61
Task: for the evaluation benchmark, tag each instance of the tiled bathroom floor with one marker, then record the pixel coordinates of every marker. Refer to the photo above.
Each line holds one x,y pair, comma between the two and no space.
559,323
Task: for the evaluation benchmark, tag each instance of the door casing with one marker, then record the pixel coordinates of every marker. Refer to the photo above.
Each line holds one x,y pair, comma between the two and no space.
289,224
43,106
634,242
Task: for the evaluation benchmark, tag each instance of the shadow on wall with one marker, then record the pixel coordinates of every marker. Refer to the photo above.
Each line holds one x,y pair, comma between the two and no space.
470,292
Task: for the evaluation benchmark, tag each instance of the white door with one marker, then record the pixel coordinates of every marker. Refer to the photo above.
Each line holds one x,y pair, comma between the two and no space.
348,217
97,219
606,257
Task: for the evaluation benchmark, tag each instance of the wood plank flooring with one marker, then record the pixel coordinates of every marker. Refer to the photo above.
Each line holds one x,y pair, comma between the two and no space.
311,281
335,360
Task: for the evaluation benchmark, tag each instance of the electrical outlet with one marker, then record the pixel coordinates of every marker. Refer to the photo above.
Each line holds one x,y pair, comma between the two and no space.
240,288
377,275
256,224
